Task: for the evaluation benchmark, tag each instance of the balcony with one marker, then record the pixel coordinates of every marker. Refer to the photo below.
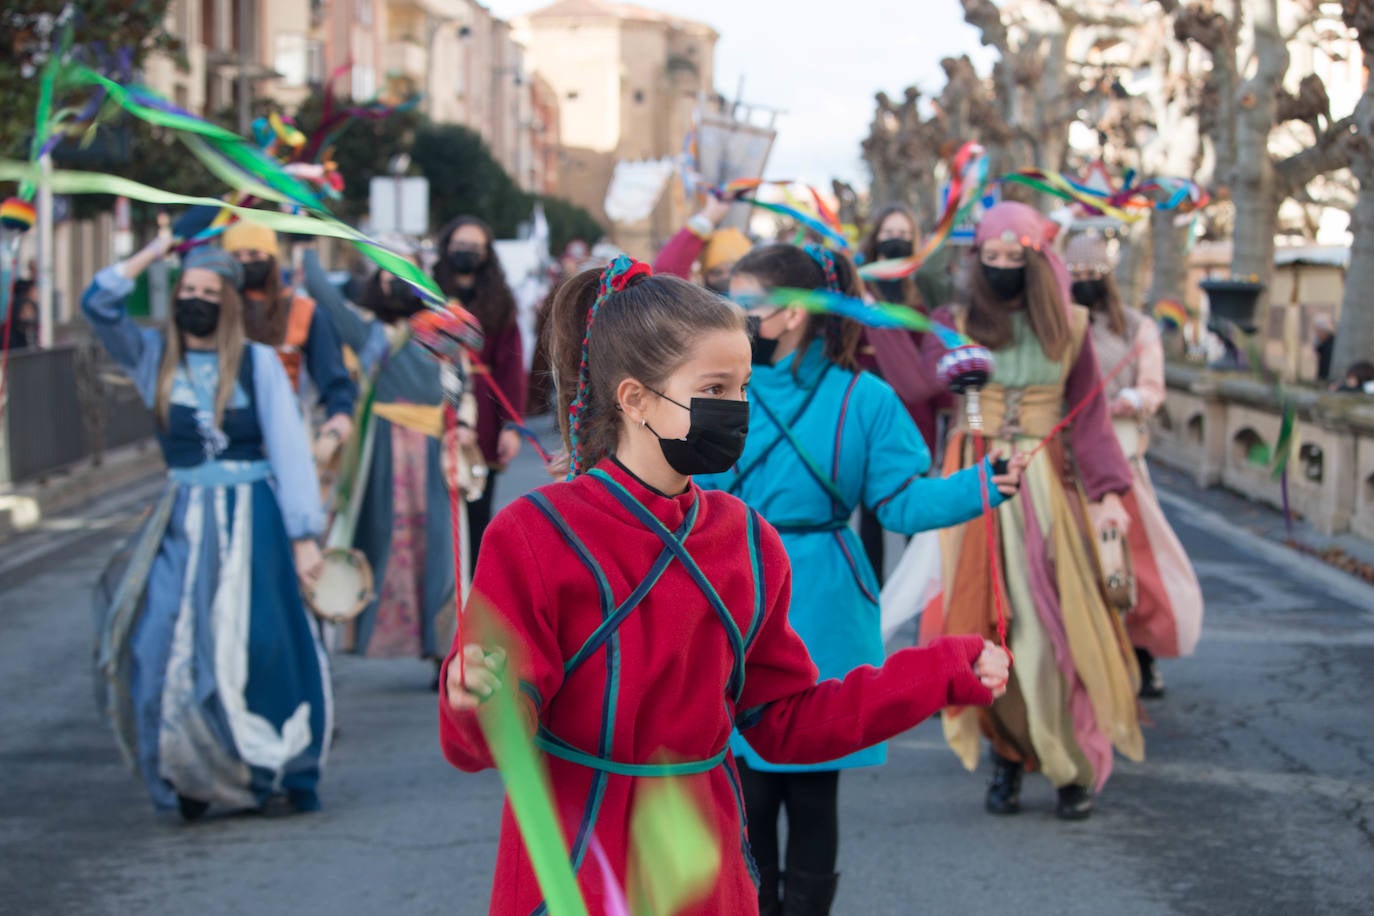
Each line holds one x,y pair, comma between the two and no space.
407,58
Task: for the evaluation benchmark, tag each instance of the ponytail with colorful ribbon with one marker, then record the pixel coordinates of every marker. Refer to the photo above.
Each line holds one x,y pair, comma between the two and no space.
617,277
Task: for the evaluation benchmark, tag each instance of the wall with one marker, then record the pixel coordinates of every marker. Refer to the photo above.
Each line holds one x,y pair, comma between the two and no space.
1222,428
581,61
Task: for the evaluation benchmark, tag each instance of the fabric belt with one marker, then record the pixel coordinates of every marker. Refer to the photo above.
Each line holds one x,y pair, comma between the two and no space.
834,524
554,746
221,473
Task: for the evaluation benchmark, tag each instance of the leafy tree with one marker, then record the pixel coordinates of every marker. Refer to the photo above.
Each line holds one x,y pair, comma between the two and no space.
568,221
363,151
464,178
103,33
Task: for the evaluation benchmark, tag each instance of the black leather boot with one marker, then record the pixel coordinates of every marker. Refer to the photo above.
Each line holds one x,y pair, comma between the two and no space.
1004,790
192,809
808,895
770,892
1075,804
1151,684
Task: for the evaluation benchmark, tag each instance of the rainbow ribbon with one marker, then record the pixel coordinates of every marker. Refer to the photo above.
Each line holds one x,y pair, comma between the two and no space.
1172,312
826,225
876,315
968,178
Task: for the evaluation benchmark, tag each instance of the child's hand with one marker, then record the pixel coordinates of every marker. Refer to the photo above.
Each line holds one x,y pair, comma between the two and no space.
1009,483
993,668
481,676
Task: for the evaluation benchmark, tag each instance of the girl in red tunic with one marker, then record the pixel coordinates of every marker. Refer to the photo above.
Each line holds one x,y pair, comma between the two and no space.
648,617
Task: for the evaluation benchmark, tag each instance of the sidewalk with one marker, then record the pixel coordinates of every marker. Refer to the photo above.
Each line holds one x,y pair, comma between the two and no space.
1349,553
25,505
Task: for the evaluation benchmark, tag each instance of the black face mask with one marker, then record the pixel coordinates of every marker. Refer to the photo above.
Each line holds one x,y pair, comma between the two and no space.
763,351
715,439
1006,282
397,305
1089,292
256,274
893,249
464,262
195,316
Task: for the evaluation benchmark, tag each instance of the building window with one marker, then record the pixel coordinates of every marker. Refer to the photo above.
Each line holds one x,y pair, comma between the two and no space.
364,83
639,96
292,59
572,95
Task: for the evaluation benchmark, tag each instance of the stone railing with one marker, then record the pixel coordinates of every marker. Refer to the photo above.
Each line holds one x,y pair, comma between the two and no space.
1222,428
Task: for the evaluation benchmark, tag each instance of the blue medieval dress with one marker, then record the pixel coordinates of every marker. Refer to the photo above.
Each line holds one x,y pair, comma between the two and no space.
823,441
208,666
394,505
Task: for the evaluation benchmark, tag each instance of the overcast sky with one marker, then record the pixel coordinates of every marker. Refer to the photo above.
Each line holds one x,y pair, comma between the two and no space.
821,63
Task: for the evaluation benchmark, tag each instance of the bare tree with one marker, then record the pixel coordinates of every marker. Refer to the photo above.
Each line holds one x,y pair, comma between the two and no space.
1240,104
1355,338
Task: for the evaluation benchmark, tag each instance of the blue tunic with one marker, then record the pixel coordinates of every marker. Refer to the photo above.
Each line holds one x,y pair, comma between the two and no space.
210,668
407,375
851,442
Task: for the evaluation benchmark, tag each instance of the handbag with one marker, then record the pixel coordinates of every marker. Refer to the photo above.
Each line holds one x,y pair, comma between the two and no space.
1118,575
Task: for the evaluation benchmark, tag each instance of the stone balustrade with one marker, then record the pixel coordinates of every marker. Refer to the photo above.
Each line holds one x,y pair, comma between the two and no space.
1222,429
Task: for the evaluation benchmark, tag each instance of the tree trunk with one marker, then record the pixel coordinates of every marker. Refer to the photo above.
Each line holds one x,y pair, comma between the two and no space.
1169,243
1253,183
1133,268
1355,336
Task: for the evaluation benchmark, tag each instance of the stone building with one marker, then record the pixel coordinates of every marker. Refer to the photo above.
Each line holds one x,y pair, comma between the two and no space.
627,81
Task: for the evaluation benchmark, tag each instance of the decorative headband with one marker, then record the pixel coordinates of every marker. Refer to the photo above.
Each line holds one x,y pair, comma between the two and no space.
825,260
618,276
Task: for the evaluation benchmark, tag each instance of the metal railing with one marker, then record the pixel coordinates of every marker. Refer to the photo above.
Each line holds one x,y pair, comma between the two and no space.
62,406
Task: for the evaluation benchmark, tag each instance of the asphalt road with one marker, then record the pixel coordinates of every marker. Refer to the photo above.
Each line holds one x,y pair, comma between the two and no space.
1257,796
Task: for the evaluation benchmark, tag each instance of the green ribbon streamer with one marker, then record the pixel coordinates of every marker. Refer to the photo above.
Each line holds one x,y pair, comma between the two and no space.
73,182
208,142
677,857
531,801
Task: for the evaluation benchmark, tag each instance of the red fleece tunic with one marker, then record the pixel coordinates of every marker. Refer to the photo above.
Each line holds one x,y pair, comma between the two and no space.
661,687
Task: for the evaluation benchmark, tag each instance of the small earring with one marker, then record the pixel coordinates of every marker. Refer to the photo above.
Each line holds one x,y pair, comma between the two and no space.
643,424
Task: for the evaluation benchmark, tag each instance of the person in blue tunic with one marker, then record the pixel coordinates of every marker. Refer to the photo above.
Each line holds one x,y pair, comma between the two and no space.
209,668
395,508
825,439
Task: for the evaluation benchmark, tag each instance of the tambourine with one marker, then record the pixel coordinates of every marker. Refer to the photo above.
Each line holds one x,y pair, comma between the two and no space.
344,586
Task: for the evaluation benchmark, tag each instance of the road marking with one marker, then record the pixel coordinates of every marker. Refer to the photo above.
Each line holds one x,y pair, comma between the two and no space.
102,514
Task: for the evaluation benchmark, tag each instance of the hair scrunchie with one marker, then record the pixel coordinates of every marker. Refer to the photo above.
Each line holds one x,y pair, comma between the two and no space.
825,260
614,279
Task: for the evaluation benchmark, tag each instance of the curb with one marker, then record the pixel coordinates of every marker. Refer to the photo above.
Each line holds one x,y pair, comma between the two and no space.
25,506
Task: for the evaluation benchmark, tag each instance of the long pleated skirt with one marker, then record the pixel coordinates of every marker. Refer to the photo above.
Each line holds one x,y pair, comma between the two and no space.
1072,695
404,529
208,665
1167,618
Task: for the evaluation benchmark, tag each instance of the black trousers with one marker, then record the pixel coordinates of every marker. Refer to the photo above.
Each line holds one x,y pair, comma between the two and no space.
813,818
479,516
871,534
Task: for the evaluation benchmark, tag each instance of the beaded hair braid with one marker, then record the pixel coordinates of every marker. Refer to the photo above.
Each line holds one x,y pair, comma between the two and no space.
615,278
825,260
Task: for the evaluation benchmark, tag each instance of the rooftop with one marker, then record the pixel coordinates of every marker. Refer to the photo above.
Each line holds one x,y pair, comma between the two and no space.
588,9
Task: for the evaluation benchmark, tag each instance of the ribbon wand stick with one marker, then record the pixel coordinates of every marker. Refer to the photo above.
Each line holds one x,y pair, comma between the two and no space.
966,370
